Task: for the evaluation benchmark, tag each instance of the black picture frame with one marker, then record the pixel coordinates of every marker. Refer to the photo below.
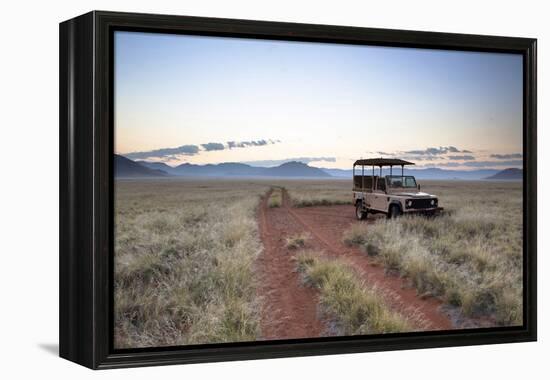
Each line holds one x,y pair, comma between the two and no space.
86,188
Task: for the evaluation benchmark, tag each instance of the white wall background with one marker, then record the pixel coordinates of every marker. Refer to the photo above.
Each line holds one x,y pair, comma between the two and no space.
29,186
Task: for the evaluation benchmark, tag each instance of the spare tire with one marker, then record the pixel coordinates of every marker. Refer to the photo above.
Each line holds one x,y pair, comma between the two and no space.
360,214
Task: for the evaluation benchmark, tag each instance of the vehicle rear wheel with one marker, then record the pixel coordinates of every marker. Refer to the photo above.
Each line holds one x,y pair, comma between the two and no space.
394,211
359,212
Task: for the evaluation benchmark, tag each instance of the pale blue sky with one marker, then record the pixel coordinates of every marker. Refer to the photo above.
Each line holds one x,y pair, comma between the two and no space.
340,102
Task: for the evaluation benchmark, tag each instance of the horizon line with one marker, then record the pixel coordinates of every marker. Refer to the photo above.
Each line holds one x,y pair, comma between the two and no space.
318,167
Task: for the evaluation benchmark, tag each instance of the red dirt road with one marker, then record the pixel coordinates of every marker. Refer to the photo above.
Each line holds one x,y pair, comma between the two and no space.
290,309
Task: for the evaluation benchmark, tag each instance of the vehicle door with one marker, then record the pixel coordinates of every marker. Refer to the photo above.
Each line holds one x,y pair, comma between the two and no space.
380,201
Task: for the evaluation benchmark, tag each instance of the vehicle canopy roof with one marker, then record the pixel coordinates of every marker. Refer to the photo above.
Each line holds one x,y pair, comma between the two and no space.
382,162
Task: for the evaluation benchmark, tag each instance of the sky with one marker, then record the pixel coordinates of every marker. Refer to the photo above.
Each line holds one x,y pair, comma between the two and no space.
206,100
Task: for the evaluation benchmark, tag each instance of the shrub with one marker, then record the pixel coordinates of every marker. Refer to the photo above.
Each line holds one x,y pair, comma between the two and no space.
355,235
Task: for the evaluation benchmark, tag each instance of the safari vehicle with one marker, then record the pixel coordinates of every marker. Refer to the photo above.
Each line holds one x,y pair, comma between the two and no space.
392,195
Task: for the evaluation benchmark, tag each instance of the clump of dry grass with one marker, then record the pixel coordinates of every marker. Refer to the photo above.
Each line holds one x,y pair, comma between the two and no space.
276,198
183,262
345,298
297,241
317,200
471,257
355,234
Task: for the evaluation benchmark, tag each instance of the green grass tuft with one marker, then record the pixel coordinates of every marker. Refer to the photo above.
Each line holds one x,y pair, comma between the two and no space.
345,298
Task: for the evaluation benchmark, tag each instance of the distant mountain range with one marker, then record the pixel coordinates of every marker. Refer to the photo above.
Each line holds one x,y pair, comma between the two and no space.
234,169
126,168
209,170
425,173
511,174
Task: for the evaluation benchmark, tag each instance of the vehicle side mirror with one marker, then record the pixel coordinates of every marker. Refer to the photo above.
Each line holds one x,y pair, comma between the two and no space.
418,187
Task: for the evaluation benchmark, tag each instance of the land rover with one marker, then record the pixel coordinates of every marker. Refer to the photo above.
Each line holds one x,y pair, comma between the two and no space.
392,195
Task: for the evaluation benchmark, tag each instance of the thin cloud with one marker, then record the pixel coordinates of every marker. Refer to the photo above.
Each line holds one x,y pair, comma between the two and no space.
304,160
419,158
443,164
436,151
461,158
169,158
191,150
213,146
186,150
427,154
244,144
453,157
507,156
481,164
476,164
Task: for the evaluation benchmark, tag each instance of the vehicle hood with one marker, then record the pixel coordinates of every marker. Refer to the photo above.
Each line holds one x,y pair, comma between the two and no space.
414,194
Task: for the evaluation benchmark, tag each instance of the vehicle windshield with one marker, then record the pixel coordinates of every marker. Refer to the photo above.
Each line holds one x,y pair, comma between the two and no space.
407,182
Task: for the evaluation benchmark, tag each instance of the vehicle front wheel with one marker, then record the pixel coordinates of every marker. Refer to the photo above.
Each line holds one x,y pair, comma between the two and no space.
394,211
359,212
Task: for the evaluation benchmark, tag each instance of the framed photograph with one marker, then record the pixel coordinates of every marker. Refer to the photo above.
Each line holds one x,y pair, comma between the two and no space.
235,189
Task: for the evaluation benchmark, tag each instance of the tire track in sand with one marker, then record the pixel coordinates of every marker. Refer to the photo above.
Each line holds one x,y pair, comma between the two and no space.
326,225
288,309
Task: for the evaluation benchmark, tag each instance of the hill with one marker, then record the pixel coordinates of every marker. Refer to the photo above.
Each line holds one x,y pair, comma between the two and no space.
126,168
156,166
294,169
235,169
510,174
217,170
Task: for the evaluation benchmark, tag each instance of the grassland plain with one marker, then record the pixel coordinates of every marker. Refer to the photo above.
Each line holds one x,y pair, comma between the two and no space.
471,256
185,249
305,193
184,252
